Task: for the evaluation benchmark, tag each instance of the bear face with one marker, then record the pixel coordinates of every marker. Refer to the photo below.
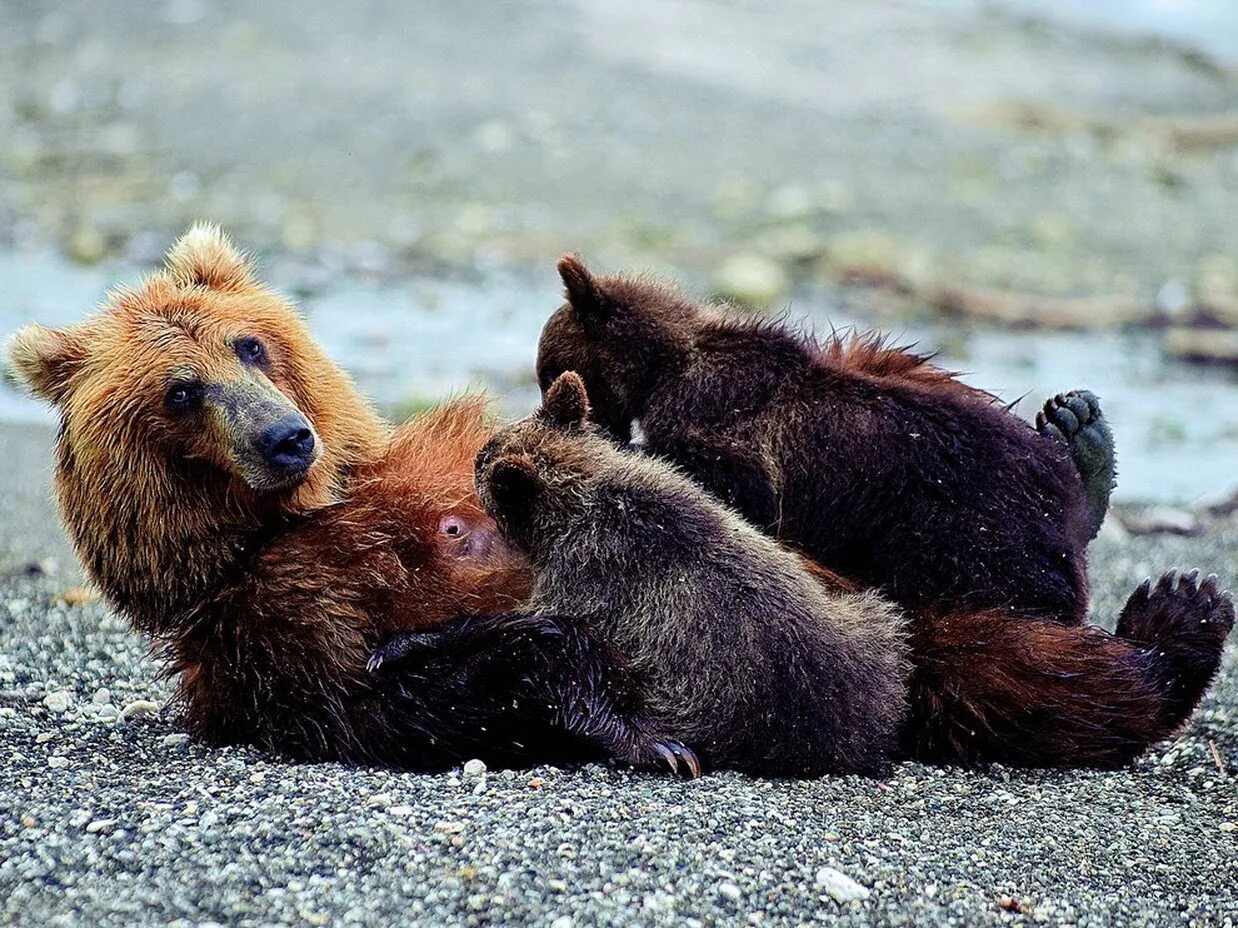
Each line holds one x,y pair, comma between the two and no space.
614,332
200,365
195,409
518,470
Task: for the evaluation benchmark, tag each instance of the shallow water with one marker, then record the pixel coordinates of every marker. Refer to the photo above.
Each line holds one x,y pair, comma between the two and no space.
1176,425
1210,26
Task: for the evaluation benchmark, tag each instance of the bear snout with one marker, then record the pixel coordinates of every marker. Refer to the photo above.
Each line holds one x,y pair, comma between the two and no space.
288,445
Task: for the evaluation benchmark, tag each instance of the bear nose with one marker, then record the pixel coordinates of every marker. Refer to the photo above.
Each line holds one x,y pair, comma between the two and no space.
288,444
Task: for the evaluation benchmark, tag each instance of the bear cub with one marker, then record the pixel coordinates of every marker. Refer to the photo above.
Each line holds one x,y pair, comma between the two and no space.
740,652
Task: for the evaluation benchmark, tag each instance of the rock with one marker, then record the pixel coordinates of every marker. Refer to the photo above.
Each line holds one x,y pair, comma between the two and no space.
475,768
177,740
58,702
751,279
78,596
86,245
840,887
1173,298
58,762
1162,520
563,921
379,801
100,824
1204,346
730,891
139,709
102,696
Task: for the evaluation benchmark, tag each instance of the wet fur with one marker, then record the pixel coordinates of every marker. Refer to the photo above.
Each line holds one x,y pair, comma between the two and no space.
891,472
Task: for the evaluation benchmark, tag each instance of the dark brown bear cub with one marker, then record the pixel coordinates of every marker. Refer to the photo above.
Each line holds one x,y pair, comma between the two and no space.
895,474
739,652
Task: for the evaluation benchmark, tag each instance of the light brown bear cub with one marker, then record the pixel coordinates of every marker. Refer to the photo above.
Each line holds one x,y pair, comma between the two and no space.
739,651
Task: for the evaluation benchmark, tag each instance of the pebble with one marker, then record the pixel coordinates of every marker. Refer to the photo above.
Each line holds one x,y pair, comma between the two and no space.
563,921
475,768
101,824
730,891
58,762
175,740
139,709
58,702
752,280
840,887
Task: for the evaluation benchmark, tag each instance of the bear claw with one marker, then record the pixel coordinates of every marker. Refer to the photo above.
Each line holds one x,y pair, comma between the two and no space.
1177,610
1076,420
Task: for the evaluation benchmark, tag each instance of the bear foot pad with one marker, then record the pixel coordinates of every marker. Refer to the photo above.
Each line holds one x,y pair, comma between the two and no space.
1180,610
1076,420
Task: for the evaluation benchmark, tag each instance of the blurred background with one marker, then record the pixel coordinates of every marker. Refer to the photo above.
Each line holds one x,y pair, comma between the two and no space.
1043,190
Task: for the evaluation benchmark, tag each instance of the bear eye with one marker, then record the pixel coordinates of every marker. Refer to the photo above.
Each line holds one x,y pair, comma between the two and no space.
183,396
251,350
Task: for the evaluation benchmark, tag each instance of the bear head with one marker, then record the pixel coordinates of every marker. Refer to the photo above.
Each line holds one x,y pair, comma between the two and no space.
192,405
617,333
530,470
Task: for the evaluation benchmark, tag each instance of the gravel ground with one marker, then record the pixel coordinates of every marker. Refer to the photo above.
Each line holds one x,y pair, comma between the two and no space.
122,822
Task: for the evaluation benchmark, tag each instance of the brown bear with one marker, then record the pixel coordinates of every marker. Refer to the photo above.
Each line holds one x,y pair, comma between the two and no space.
737,649
230,492
897,475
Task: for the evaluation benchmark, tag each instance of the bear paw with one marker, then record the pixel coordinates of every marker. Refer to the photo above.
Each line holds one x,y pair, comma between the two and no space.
1076,420
1180,625
1178,610
403,647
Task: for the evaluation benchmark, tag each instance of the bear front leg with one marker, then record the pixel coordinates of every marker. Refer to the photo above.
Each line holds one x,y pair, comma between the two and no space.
538,670
1076,420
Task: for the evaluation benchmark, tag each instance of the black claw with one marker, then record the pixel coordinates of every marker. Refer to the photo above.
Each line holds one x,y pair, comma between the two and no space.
1168,582
375,661
1191,578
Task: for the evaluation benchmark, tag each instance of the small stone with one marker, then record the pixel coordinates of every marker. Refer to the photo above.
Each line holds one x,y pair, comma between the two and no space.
400,811
840,887
176,740
1228,826
537,783
100,824
475,768
76,596
379,801
139,709
43,737
86,245
730,891
563,921
58,762
1173,298
58,702
102,696
751,279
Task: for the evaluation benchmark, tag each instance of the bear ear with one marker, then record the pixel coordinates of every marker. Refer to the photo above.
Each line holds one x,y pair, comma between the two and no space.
205,257
44,359
567,401
584,292
513,480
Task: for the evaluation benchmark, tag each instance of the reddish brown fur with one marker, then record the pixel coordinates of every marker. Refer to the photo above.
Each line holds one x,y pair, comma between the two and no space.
267,604
871,354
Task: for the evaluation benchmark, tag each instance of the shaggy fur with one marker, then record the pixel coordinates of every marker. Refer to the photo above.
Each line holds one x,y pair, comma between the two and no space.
740,652
893,473
266,588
